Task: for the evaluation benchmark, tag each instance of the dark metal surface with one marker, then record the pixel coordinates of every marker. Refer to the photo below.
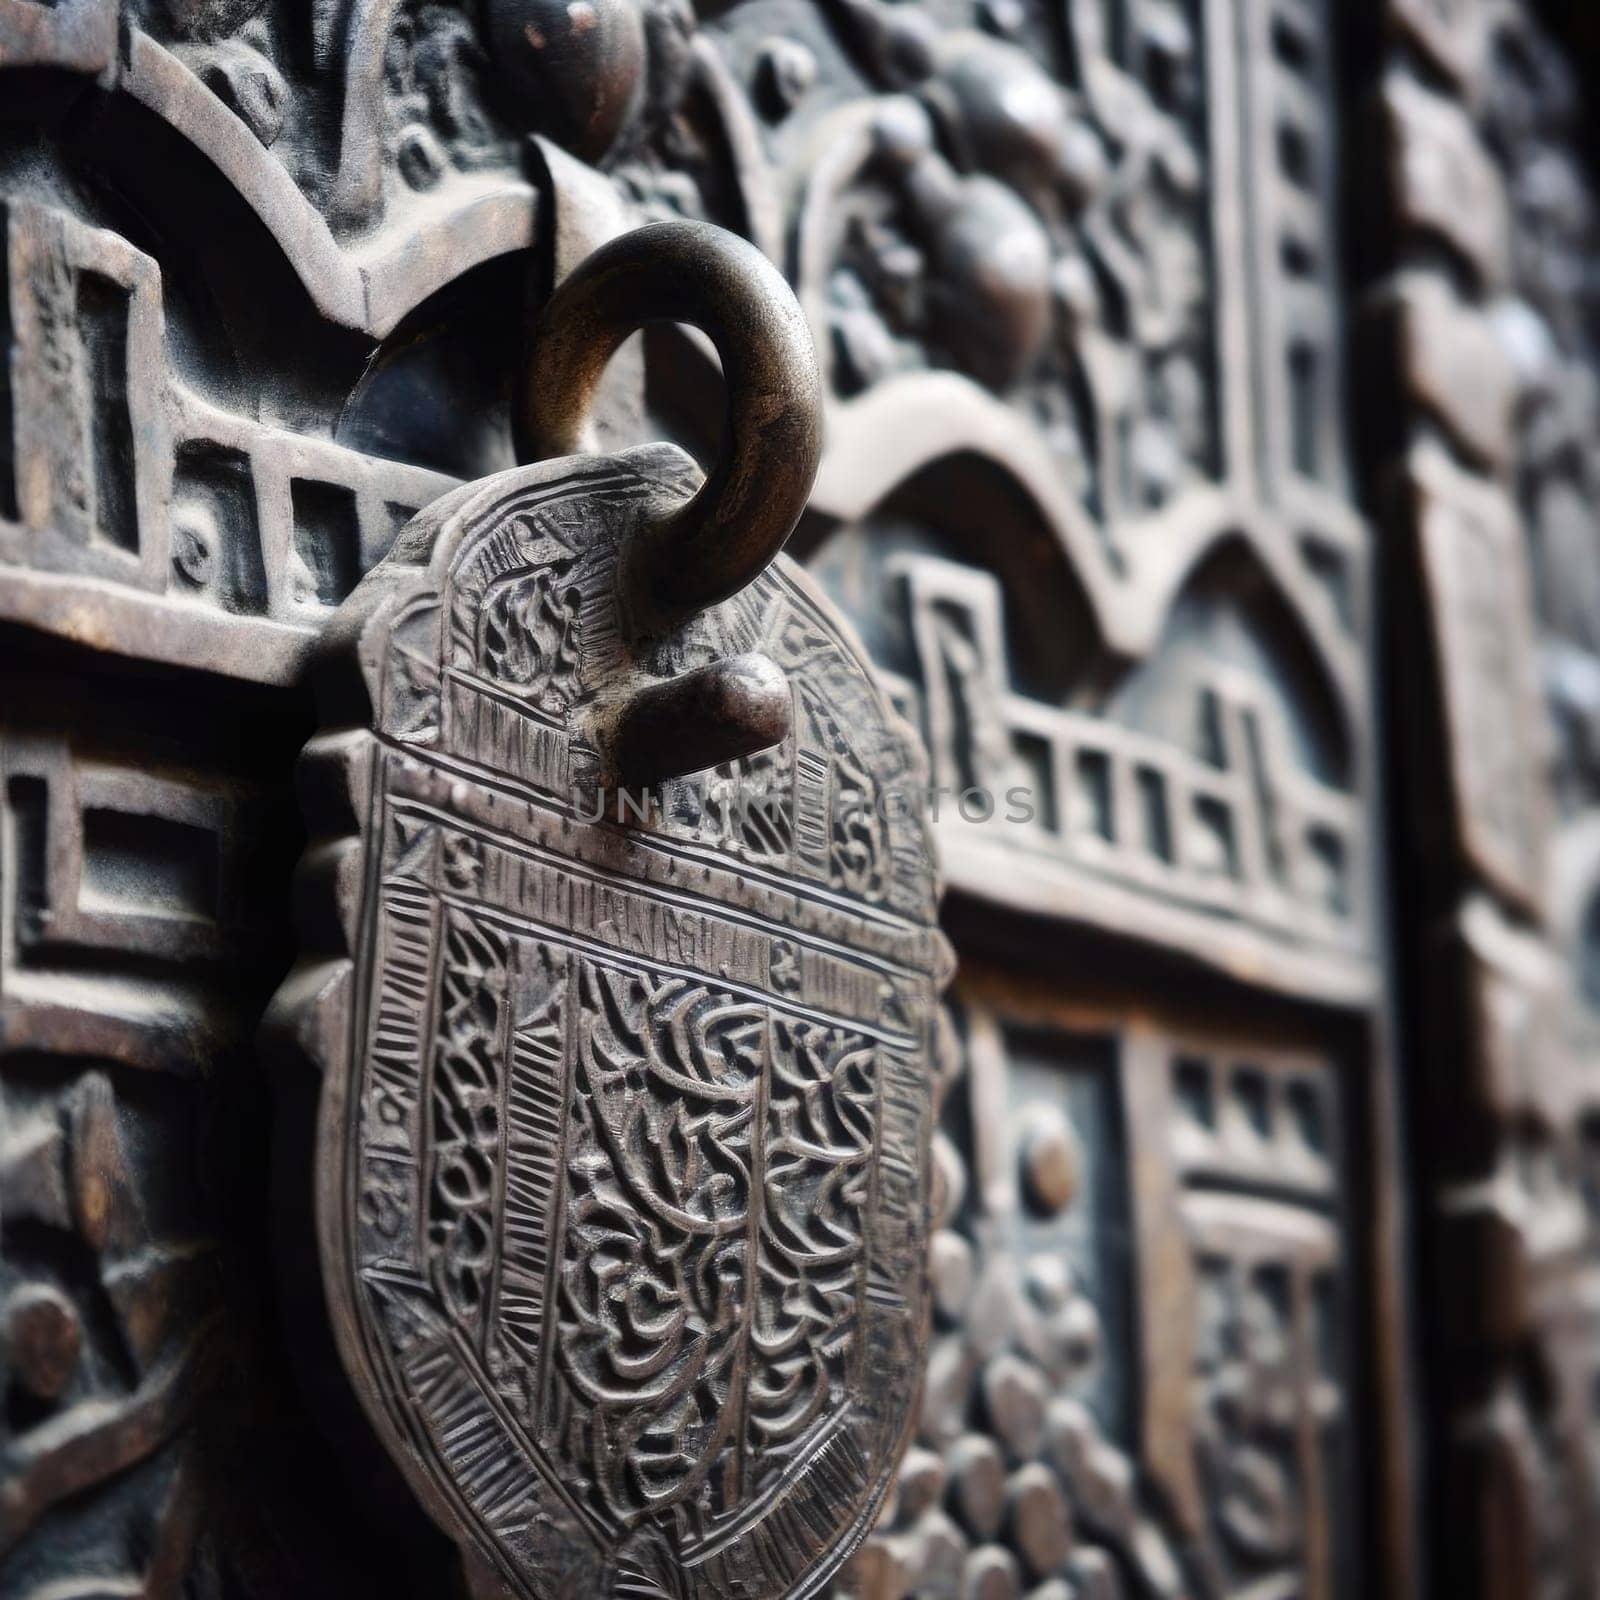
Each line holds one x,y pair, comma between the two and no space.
1262,1236
692,273
622,1152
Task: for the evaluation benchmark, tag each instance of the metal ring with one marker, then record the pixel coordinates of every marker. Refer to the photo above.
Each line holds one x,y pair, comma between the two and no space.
691,272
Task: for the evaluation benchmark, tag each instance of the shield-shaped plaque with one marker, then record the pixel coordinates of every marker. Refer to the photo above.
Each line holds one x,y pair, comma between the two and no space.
622,1145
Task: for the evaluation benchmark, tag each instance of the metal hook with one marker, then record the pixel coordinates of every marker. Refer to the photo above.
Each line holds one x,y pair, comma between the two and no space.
695,273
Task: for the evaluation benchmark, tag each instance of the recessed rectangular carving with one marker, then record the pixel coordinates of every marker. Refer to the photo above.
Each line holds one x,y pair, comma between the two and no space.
1475,570
8,424
1255,1309
102,308
28,798
148,865
327,537
216,534
1157,830
1092,806
1305,408
1058,1081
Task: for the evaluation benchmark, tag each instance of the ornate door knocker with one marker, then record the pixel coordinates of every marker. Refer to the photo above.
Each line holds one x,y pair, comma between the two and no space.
627,1006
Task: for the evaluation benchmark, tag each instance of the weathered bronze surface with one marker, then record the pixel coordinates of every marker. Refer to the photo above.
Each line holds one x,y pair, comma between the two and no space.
1208,464
681,272
622,1151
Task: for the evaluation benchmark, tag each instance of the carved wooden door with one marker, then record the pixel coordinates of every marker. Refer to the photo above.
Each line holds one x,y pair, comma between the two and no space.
1204,380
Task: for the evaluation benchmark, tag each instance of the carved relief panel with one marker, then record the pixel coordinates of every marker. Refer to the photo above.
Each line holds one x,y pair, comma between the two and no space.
1075,276
1492,199
1218,1460
1483,328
